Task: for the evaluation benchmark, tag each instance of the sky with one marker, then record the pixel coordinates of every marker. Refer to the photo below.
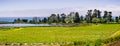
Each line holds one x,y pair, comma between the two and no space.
43,8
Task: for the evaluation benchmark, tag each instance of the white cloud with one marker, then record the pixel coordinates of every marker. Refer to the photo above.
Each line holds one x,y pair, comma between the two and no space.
108,8
46,12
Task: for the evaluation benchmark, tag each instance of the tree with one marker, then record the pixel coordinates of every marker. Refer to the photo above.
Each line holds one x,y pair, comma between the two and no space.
58,18
81,18
15,20
95,20
89,16
69,18
77,18
104,20
105,14
35,20
53,18
31,21
99,14
110,16
119,17
95,13
44,20
116,19
63,16
25,20
49,21
40,21
18,20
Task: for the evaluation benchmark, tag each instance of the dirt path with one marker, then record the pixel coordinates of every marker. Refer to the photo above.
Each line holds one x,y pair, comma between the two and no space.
115,43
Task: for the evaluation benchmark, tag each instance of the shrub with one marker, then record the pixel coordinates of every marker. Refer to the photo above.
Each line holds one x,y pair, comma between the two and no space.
78,43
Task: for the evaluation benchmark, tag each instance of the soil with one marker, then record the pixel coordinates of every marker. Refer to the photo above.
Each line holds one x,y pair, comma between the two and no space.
115,43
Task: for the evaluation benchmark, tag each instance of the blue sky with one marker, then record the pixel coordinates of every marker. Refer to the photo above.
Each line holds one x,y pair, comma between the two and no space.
30,8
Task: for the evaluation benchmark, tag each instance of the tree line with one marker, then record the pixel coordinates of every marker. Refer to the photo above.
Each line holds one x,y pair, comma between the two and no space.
92,16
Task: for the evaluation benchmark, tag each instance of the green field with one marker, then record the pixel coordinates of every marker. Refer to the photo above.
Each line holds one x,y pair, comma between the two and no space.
88,33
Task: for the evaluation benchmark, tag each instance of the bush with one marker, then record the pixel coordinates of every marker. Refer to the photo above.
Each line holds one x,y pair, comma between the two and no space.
79,43
98,42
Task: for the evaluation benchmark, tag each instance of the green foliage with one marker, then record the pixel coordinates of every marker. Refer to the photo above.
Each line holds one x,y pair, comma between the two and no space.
35,20
53,18
44,20
98,42
77,18
63,16
18,20
81,19
89,16
110,16
31,21
104,20
58,18
116,19
105,14
73,17
79,43
69,19
25,20
95,20
95,13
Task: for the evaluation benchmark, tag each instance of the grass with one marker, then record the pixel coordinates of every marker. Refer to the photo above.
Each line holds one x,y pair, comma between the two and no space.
89,33
114,37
